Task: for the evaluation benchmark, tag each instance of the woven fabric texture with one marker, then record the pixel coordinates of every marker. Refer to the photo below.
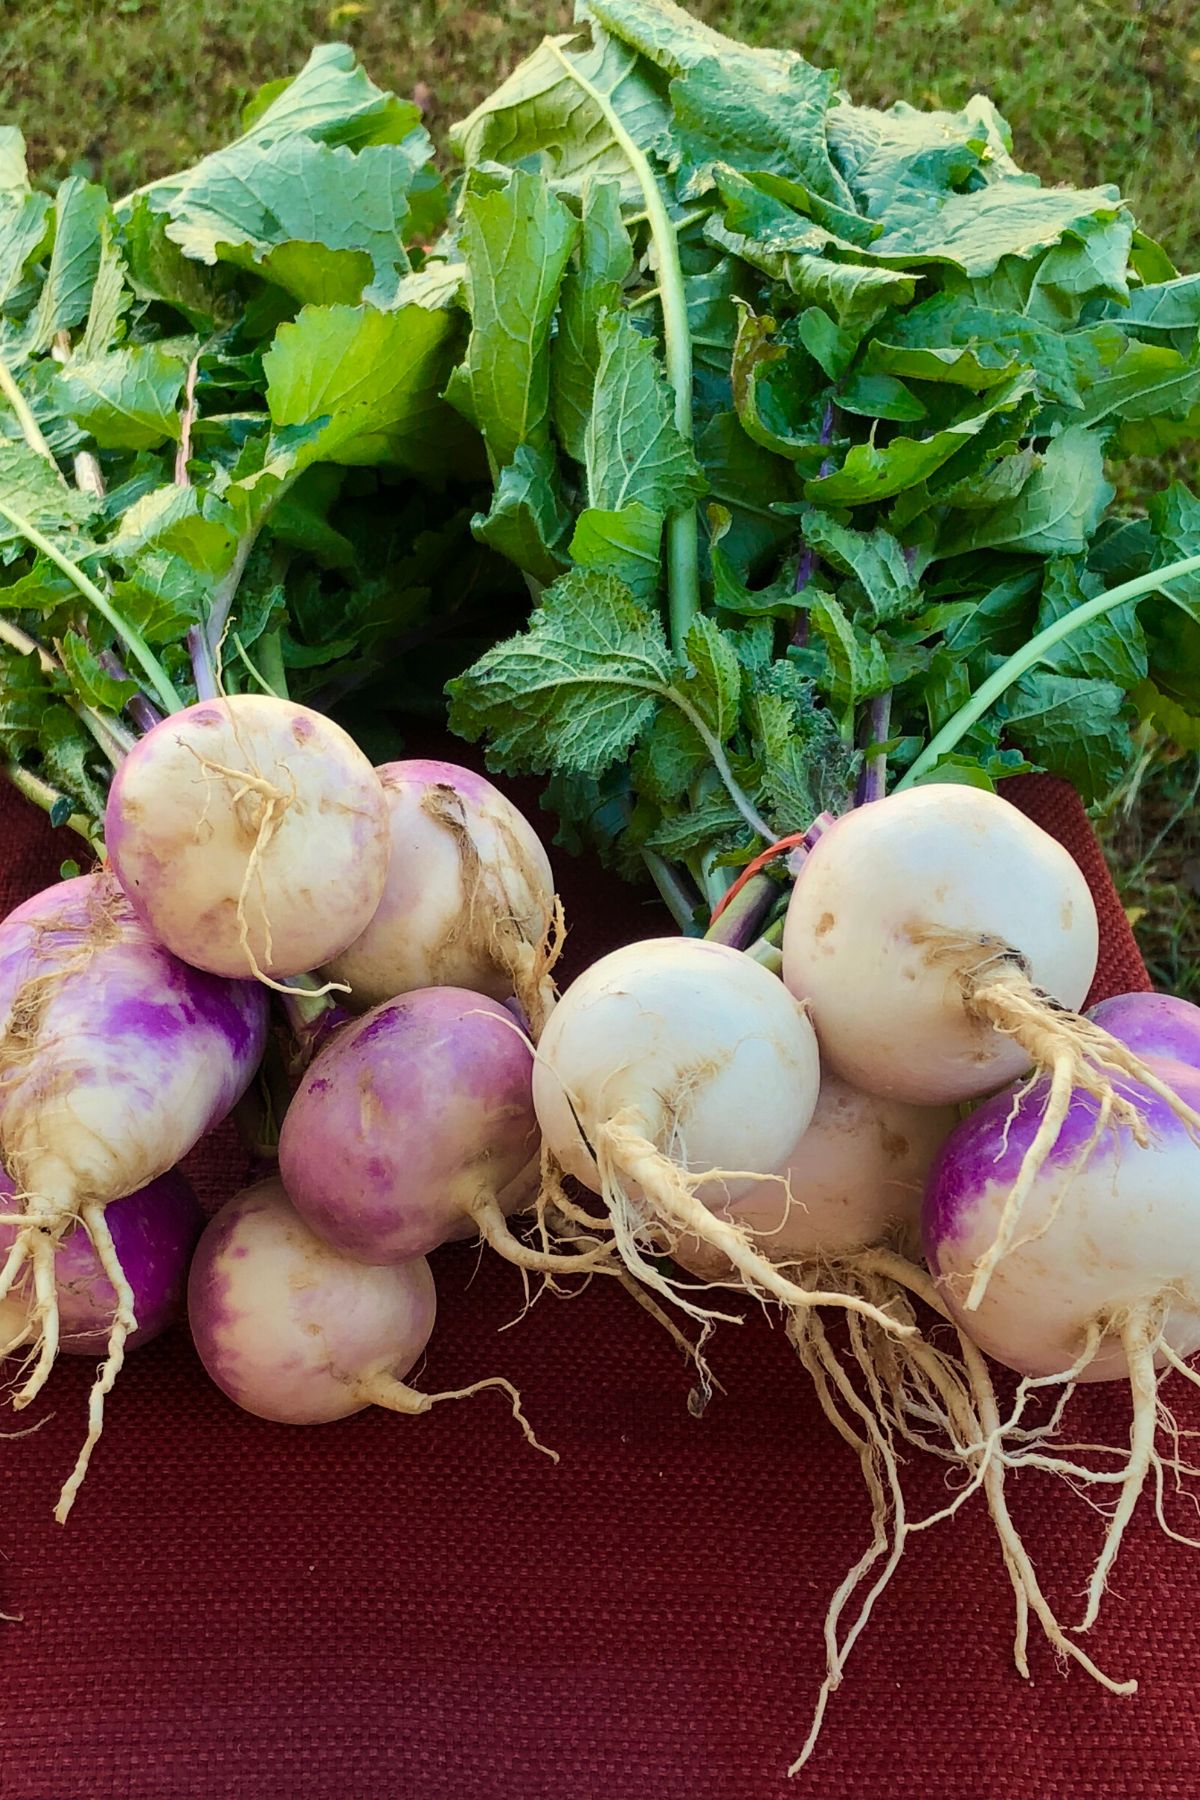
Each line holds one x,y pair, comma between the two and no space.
412,1609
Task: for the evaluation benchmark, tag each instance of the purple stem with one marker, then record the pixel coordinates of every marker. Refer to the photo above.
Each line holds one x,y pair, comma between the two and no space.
140,707
204,668
872,782
742,919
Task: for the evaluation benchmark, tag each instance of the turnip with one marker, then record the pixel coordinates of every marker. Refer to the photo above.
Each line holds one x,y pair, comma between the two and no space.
115,1058
469,900
672,1078
415,1126
1104,1282
941,940
854,1179
293,1331
251,836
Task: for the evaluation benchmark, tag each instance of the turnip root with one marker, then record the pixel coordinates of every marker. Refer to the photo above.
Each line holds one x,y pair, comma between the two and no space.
854,1179
941,940
293,1331
1104,1282
251,836
469,900
115,1058
1156,1025
415,1126
672,1078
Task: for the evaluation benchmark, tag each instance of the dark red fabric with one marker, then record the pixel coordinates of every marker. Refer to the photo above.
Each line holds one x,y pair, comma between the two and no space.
398,1609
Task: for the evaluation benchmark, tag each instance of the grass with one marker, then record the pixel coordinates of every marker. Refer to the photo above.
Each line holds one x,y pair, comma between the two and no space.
1096,90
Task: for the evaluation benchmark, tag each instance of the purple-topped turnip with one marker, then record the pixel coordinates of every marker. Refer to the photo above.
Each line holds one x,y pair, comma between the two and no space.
115,1059
293,1331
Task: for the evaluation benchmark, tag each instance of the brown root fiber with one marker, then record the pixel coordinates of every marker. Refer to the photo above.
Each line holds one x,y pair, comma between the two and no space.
490,923
1077,1055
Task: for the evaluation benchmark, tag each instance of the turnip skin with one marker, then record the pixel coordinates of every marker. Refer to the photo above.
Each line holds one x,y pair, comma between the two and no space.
251,836
115,1059
1102,1238
415,1126
855,1178
289,1328
877,907
1157,1025
469,898
295,1332
154,1233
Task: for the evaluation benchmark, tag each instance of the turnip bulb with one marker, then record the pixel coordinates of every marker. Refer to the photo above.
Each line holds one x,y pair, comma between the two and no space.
294,1331
942,941
251,836
469,899
115,1059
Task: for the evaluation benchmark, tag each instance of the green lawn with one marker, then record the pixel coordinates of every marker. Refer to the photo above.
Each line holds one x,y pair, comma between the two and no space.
1096,90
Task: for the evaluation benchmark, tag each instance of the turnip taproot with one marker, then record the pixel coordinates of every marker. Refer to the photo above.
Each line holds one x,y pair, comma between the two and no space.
942,940
414,1126
251,836
672,1078
469,900
115,1058
291,1330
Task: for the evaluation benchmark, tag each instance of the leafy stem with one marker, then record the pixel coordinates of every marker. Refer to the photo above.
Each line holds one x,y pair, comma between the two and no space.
130,636
31,431
1030,654
683,565
106,728
58,805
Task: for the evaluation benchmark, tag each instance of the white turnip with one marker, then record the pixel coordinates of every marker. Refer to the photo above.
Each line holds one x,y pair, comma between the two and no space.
251,836
469,900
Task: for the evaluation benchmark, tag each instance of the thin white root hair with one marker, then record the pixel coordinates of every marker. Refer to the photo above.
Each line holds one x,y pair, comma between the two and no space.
1141,1334
625,1156
397,1396
1177,1363
124,1322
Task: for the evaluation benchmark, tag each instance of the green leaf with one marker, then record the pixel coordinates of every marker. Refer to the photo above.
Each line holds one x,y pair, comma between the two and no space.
369,384
760,109
517,240
68,755
322,222
1056,511
81,216
109,300
24,222
126,399
332,99
158,270
626,543
869,473
178,520
35,490
163,596
592,286
974,231
773,392
1073,728
24,698
632,447
715,682
730,594
1112,648
1124,378
874,558
857,666
575,691
93,684
542,115
1161,308
748,482
880,397
528,522
669,758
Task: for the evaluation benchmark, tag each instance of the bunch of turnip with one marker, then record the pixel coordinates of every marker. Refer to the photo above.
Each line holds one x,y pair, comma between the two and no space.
253,851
